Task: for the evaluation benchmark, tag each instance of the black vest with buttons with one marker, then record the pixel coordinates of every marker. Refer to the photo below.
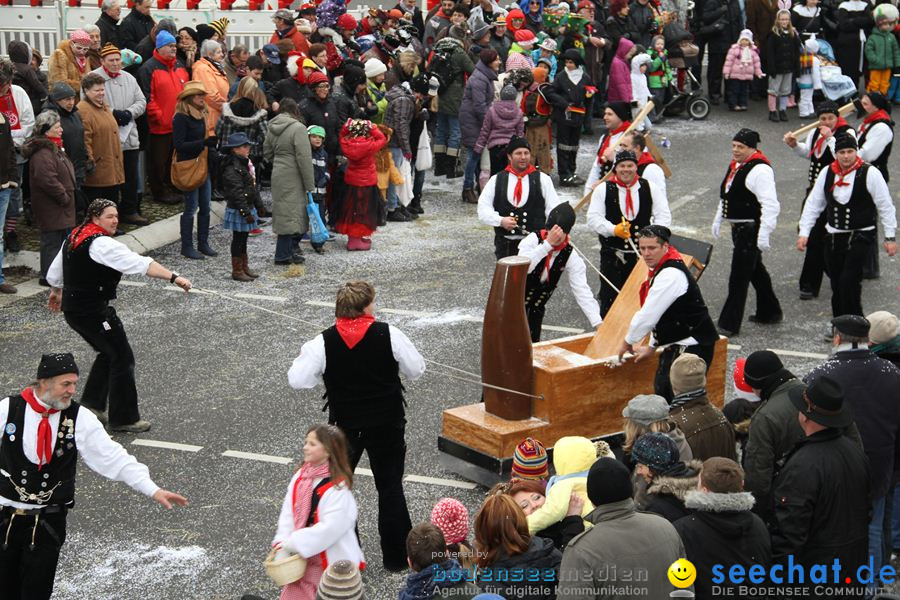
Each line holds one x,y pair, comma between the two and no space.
859,212
687,316
881,163
614,213
538,292
88,286
739,202
817,163
531,215
20,479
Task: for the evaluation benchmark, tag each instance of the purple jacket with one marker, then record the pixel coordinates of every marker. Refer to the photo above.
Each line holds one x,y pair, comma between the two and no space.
502,121
619,74
477,97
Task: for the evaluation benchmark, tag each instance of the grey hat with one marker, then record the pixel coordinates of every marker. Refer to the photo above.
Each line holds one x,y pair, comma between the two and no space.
884,327
61,90
646,409
508,93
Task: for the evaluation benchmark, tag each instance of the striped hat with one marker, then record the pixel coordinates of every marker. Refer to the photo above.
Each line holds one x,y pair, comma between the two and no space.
341,582
220,26
530,460
108,49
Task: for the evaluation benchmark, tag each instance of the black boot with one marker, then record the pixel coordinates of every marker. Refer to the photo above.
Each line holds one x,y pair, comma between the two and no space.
405,210
187,238
782,115
440,164
415,206
203,236
453,170
11,242
773,116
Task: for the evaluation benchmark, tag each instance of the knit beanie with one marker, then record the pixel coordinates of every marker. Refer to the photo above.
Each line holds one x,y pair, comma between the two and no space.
341,581
164,38
747,137
656,450
315,78
353,76
844,141
374,68
109,49
525,37
316,130
741,388
608,481
347,21
761,365
205,32
220,26
80,36
451,517
540,75
508,93
883,327
722,475
622,110
516,143
530,460
688,373
61,90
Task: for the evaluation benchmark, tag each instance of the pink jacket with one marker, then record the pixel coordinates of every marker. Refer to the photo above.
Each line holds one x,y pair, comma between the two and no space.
735,69
620,74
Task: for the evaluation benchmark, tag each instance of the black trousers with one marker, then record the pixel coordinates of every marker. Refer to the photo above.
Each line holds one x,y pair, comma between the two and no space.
159,165
129,191
386,447
504,247
499,160
109,192
747,269
617,271
112,375
814,259
568,134
844,257
27,571
714,73
535,316
51,242
662,386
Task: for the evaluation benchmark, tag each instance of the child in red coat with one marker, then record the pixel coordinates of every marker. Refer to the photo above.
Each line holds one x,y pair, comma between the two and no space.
358,210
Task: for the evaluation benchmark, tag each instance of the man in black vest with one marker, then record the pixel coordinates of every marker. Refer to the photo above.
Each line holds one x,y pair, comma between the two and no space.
360,360
853,196
625,203
551,253
517,200
749,203
672,308
647,166
42,432
819,150
876,138
84,276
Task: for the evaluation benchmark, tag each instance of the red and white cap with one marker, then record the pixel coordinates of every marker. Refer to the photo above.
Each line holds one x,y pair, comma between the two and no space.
741,388
525,37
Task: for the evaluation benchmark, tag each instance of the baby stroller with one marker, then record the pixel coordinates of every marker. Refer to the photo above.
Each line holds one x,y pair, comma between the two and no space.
686,96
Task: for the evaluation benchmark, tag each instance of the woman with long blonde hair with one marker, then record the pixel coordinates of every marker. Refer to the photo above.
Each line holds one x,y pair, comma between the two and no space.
247,112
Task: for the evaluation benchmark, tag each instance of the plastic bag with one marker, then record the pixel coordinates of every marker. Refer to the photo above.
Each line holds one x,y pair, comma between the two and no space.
424,158
405,189
318,233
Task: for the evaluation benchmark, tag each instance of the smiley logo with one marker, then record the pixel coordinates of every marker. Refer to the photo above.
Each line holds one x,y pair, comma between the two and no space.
682,573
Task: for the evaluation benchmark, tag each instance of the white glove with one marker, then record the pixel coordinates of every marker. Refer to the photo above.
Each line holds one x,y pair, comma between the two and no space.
716,226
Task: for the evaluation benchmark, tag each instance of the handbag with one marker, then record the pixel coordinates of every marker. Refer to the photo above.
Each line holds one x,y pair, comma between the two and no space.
424,158
318,233
188,175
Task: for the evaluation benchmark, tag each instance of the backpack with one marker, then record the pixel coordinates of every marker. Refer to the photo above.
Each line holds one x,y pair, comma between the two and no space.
535,107
440,66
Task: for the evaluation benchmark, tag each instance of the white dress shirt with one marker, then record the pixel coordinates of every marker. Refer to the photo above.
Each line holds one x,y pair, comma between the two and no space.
655,175
595,175
96,448
596,216
575,270
877,187
108,252
878,136
308,368
761,182
668,285
489,216
804,148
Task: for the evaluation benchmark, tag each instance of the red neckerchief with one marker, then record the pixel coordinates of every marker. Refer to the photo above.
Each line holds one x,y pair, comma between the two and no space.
671,254
836,169
879,115
734,166
822,140
169,63
517,193
608,138
9,110
84,232
353,330
111,74
44,446
441,14
56,140
555,250
629,201
646,159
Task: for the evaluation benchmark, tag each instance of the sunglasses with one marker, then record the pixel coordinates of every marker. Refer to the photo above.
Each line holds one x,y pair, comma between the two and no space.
81,48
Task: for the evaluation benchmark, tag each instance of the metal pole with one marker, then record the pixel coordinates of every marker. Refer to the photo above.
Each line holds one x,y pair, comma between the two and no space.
61,11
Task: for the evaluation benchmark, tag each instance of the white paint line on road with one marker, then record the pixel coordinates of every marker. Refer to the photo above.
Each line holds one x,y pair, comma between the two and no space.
562,329
167,445
815,355
261,297
734,346
673,206
363,471
464,485
407,313
280,460
322,304
133,283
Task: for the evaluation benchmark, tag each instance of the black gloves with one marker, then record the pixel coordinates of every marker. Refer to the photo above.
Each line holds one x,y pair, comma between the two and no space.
123,117
211,141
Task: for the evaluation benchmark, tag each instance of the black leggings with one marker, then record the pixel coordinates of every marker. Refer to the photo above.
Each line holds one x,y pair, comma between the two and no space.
239,243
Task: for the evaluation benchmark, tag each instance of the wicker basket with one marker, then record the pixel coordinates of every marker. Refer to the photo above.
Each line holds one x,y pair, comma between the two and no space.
284,571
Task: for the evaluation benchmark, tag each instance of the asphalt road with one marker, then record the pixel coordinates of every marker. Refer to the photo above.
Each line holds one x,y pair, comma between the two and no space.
211,372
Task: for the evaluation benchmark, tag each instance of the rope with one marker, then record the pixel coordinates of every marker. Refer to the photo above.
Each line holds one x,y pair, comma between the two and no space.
475,378
591,265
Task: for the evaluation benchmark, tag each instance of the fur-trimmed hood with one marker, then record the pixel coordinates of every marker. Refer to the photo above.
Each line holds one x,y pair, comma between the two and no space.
36,144
243,121
677,486
717,502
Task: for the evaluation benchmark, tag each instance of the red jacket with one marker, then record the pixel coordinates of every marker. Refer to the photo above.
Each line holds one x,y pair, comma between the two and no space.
299,40
162,81
360,153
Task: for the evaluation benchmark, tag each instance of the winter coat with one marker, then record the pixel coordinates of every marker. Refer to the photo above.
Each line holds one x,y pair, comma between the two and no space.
289,88
104,150
644,18
541,555
822,504
161,81
124,93
631,540
109,30
324,114
386,170
640,91
503,121
721,530
297,38
659,71
9,174
707,430
25,77
216,85
134,28
740,71
73,138
721,24
401,109
570,95
782,54
518,59
853,16
360,153
347,104
760,19
424,585
562,532
870,386
477,98
461,66
620,28
52,181
595,58
26,115
572,457
237,184
810,24
433,26
287,150
64,67
620,74
241,116
501,44
665,493
188,136
882,50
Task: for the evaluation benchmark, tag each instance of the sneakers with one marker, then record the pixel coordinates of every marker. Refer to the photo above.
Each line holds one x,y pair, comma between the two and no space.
255,232
137,427
8,288
397,216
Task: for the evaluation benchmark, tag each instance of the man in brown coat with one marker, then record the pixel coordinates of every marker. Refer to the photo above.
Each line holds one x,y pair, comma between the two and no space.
707,430
105,169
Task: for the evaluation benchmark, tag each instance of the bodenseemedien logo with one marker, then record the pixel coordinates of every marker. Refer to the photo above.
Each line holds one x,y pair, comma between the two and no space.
682,575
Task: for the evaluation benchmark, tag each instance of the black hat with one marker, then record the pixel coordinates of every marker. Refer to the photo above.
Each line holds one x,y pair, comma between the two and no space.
419,84
843,141
515,143
761,365
56,364
353,76
855,325
822,402
622,109
827,107
747,137
61,90
878,100
608,481
573,55
563,215
625,156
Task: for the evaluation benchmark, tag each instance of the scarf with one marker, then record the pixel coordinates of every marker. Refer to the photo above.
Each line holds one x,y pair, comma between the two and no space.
734,165
608,137
82,233
879,115
169,63
746,55
303,491
517,192
545,275
56,140
671,254
9,110
44,432
111,74
841,174
816,151
81,63
218,66
353,330
575,74
773,382
891,346
629,201
682,399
